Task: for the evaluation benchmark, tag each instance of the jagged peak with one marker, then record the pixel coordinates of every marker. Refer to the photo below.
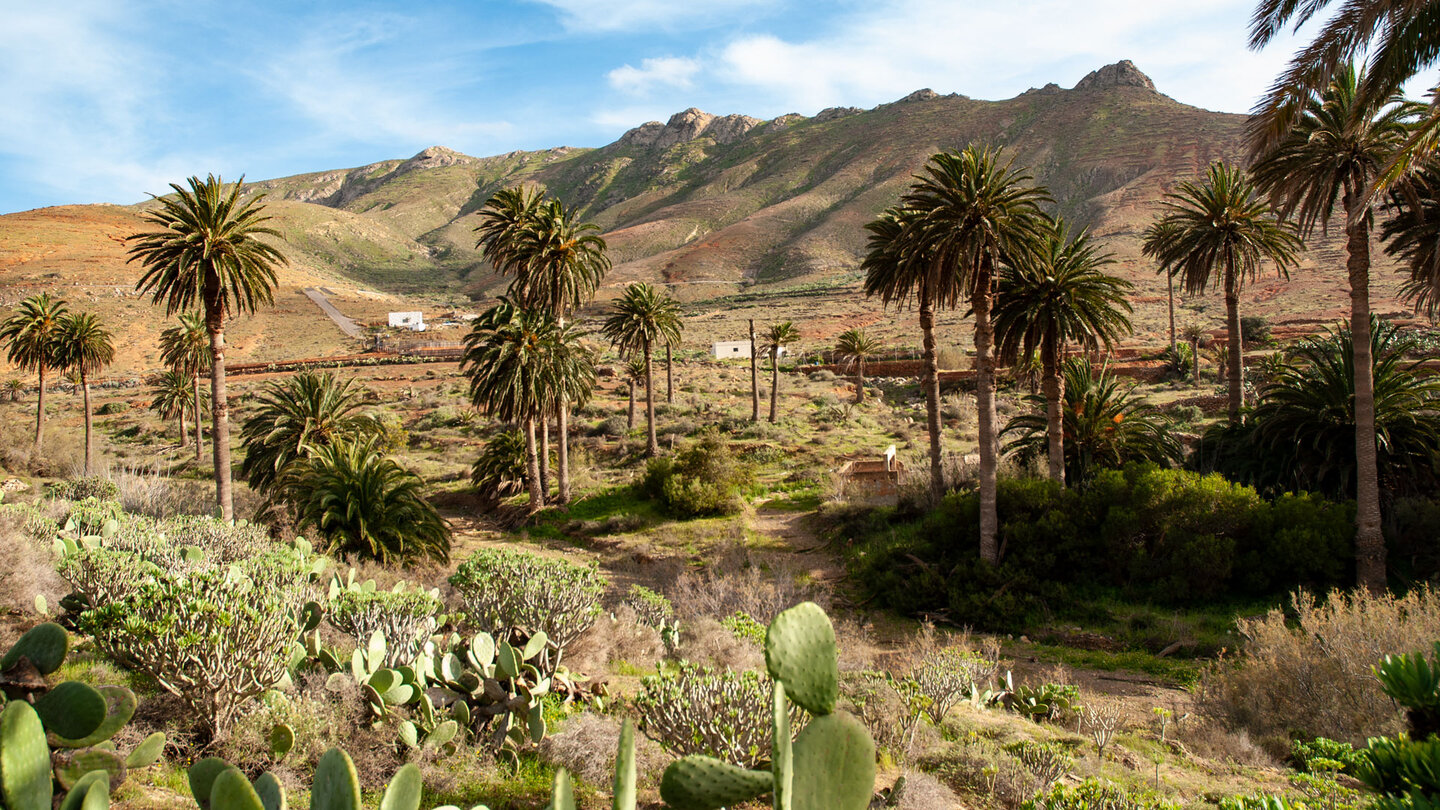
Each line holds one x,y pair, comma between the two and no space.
687,125
1121,74
433,158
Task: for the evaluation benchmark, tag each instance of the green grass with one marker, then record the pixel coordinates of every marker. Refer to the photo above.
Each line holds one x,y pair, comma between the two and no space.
1180,671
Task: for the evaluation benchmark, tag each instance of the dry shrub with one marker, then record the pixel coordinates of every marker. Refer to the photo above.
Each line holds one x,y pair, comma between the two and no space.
858,649
741,581
709,643
925,792
1314,679
619,637
152,493
1212,740
586,746
62,453
29,568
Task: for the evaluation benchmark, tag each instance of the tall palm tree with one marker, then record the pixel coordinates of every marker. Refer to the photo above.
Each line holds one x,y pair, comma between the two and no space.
310,409
30,333
1194,334
893,274
209,253
777,339
185,348
84,346
1400,38
521,362
1155,233
754,375
973,213
1050,299
854,346
643,318
172,399
1216,233
557,262
1337,146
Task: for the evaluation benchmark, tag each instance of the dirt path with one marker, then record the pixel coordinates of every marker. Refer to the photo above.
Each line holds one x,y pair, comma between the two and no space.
794,531
347,325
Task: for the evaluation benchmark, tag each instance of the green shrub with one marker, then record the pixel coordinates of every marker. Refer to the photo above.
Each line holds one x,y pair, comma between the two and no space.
79,489
703,479
823,375
507,591
1093,794
216,636
745,628
651,608
614,426
1321,754
1171,536
406,619
1254,329
112,408
724,714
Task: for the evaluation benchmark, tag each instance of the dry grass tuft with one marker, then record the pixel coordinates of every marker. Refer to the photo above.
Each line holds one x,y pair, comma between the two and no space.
29,568
586,746
742,581
620,637
707,642
1313,677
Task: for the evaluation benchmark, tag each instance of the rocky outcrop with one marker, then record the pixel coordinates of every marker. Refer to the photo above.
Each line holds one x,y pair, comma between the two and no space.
687,126
1121,74
433,158
831,113
924,94
786,120
1050,89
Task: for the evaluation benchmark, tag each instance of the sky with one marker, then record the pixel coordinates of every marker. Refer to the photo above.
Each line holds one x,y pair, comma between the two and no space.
111,101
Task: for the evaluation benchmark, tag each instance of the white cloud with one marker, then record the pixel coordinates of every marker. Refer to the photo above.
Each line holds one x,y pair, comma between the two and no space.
630,15
1195,52
665,71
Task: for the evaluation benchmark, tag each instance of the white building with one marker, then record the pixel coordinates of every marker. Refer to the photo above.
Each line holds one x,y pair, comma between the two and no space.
737,350
413,321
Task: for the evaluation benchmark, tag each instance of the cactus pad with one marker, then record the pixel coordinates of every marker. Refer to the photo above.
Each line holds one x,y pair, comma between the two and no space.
336,785
834,765
403,792
800,652
705,783
202,777
72,709
148,752
71,765
44,644
120,706
24,759
271,792
232,791
78,796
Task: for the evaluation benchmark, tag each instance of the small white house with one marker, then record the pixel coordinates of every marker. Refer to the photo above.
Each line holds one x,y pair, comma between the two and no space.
737,350
413,321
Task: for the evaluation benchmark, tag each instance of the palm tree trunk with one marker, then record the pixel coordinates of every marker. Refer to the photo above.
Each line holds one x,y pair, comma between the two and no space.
89,442
1232,339
985,401
199,436
1370,570
1055,423
630,412
532,468
774,381
562,427
652,446
1195,359
184,435
860,382
219,411
669,376
544,429
754,377
1170,295
40,412
931,383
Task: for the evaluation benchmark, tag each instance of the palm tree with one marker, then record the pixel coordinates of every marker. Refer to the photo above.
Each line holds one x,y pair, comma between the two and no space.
1053,298
84,346
172,399
557,263
1300,436
208,253
360,502
892,273
634,375
499,471
776,339
30,331
15,388
1337,146
854,346
1400,39
1195,334
973,213
642,318
754,375
1216,234
1156,233
1105,425
309,409
521,362
1412,235
186,349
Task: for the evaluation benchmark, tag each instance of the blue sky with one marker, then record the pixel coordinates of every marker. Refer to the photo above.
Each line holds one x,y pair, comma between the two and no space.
108,101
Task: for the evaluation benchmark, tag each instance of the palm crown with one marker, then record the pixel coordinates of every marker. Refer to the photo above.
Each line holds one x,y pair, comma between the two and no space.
30,332
307,410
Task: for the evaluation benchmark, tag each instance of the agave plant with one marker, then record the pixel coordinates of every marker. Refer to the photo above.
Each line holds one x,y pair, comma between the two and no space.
1105,425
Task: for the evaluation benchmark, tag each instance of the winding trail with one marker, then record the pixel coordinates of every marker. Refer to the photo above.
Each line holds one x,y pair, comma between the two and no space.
347,325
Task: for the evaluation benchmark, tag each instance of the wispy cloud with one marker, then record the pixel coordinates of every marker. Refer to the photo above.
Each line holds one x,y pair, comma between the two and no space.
664,71
641,15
